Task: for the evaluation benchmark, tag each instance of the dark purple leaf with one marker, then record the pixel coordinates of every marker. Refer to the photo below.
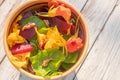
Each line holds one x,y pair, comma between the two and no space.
43,9
25,15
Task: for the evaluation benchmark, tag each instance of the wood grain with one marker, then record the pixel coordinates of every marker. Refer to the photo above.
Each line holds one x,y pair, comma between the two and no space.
8,72
5,9
78,4
103,61
1,2
96,12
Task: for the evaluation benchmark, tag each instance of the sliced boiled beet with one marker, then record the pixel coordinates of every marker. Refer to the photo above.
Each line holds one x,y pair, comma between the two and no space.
61,18
21,48
61,24
51,22
72,30
28,32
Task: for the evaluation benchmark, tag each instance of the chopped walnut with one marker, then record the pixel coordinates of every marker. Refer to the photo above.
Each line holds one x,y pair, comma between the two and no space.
28,26
45,62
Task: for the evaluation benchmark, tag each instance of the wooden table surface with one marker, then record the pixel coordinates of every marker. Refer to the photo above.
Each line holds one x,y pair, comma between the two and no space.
103,59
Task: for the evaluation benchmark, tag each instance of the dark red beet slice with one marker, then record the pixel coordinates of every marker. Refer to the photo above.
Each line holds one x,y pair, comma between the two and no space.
28,33
61,24
72,30
21,48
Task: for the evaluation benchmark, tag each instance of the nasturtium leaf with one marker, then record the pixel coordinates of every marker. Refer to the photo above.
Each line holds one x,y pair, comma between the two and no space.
33,19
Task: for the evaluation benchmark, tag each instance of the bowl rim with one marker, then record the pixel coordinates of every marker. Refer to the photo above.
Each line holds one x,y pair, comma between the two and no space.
84,51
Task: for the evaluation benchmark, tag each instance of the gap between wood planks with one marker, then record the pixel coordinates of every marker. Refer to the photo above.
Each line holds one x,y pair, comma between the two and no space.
116,4
83,6
13,6
1,2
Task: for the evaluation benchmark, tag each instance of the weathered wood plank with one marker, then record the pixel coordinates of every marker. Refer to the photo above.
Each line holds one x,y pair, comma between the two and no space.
78,4
8,72
103,62
23,77
5,9
96,13
1,1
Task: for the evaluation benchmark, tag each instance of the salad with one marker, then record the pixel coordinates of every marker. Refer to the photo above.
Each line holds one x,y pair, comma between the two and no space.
45,41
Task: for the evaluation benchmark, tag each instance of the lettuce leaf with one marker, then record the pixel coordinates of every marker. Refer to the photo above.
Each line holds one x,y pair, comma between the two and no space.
43,30
71,58
66,66
33,19
57,58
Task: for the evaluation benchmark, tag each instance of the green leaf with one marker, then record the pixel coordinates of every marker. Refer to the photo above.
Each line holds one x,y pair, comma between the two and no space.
71,58
41,72
34,19
67,66
33,42
52,67
56,54
66,37
43,30
56,73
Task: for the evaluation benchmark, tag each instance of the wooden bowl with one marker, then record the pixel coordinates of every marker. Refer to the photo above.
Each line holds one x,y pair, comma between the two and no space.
34,4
